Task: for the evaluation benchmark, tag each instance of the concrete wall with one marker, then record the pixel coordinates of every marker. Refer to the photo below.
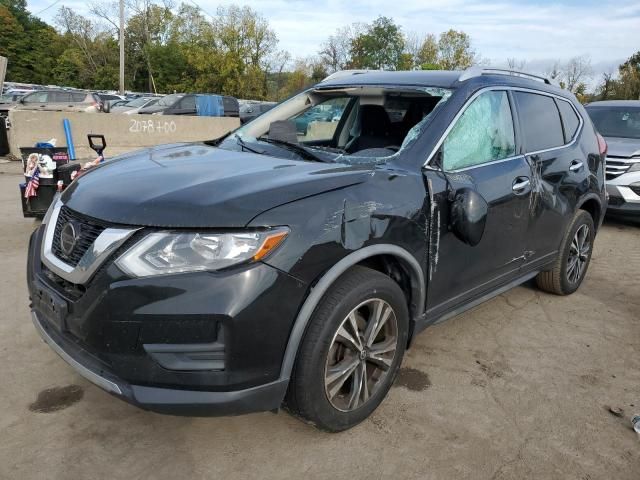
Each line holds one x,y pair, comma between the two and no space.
123,133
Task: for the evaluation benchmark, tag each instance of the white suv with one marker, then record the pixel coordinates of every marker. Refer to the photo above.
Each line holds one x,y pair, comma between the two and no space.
618,121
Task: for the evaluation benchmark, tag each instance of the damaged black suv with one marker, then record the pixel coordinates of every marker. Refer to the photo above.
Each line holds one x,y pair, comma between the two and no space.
291,263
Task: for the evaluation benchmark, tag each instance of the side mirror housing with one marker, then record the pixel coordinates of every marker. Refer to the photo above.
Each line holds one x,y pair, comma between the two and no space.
468,216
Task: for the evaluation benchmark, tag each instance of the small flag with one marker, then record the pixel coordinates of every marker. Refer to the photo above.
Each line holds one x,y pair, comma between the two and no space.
32,186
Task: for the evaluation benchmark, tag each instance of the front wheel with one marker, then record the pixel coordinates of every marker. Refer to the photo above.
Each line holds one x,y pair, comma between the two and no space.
570,268
351,352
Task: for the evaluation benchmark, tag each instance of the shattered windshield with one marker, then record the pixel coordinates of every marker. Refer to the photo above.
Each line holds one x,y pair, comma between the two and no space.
352,124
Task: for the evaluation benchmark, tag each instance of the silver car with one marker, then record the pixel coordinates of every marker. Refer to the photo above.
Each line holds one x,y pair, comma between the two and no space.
133,106
618,121
60,101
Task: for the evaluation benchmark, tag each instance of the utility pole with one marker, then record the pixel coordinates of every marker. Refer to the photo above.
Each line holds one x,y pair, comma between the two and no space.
121,47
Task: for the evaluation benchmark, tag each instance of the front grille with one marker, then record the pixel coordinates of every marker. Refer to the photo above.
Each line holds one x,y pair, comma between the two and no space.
616,166
87,231
66,288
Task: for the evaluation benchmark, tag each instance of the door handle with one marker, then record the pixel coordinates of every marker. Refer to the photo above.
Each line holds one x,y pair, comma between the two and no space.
520,183
575,165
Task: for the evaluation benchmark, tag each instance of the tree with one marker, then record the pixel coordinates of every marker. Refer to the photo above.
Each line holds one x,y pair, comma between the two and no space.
629,82
335,52
428,54
454,50
516,65
576,72
30,45
379,47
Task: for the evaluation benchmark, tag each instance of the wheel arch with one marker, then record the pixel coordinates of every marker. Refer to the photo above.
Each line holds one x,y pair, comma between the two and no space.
363,256
592,204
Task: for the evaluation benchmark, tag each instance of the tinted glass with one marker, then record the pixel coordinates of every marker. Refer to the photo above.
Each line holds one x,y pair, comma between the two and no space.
60,97
37,97
540,121
188,103
570,119
169,100
623,122
79,97
482,134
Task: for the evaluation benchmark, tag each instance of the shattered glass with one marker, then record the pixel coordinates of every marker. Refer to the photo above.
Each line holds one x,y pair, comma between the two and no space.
482,134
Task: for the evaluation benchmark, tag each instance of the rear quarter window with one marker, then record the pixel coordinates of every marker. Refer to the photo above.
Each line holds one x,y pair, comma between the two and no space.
539,121
570,119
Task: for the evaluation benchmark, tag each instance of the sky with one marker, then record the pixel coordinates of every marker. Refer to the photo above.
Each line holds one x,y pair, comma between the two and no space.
539,32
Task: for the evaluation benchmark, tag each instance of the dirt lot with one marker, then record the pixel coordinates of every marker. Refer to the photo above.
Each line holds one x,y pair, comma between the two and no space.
517,388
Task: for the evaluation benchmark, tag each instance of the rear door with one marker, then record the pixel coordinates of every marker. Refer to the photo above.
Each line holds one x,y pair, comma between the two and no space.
480,153
559,169
35,101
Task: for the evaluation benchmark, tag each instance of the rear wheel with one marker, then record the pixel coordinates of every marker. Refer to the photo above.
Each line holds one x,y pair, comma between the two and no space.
351,352
571,265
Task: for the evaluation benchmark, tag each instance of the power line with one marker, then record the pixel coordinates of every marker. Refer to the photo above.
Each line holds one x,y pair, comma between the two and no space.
47,8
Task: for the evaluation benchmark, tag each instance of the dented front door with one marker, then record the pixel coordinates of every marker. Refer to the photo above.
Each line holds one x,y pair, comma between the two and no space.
479,152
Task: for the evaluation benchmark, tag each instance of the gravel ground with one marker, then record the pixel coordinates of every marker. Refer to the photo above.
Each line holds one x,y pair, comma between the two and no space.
519,387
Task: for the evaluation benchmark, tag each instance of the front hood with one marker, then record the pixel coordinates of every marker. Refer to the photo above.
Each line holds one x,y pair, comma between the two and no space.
195,185
622,147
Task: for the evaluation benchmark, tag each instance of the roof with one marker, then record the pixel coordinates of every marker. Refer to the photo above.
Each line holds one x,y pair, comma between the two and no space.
430,78
615,103
478,76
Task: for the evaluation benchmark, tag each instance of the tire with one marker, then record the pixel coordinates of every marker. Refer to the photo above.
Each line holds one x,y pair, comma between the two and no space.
562,279
313,396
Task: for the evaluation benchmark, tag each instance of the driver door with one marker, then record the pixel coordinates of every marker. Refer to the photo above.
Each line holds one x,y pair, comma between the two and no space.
479,153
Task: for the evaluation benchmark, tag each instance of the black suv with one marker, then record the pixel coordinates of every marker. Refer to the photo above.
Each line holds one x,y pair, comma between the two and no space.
270,268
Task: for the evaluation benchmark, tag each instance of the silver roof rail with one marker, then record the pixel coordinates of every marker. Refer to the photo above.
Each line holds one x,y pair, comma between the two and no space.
472,72
346,73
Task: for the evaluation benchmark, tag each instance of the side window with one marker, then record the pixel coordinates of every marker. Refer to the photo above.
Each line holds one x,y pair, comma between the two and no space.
540,121
320,121
60,97
188,103
570,119
78,97
483,133
38,97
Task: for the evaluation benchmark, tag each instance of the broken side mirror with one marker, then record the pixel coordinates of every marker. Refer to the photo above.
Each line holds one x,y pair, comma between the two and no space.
468,216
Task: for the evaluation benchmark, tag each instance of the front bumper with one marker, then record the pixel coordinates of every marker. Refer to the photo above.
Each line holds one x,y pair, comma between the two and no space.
162,400
191,344
624,201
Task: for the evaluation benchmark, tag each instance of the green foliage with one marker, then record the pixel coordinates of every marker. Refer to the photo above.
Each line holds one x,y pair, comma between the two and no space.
379,47
625,87
30,45
454,51
179,48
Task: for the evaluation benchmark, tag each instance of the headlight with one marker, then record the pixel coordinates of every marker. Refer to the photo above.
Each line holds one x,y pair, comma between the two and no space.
635,166
163,253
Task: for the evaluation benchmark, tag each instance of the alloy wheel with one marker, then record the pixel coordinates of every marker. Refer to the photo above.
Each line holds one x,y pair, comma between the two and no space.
578,254
361,354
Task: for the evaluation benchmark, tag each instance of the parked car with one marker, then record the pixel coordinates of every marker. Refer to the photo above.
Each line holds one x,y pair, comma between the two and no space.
7,102
61,100
185,104
107,100
251,110
134,106
619,122
256,271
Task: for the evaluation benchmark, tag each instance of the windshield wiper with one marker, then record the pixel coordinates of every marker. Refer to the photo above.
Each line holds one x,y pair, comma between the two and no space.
294,147
244,146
